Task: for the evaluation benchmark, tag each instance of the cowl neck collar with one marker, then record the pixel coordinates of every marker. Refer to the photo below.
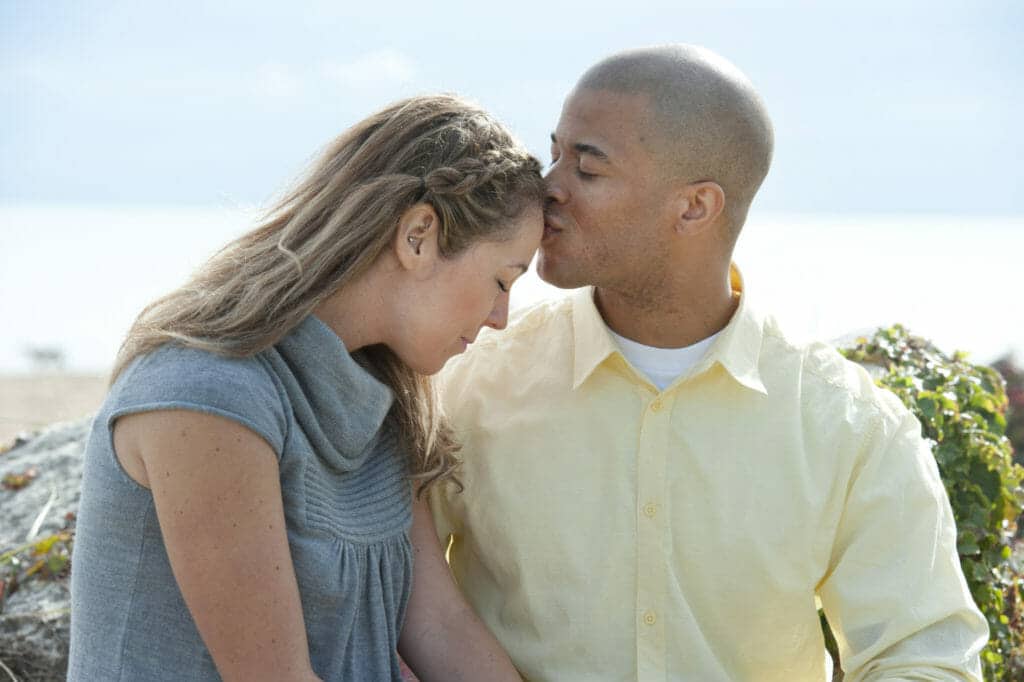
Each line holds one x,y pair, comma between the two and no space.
338,403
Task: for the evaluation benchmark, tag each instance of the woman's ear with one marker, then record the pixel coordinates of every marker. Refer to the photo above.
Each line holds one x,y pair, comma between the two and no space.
415,242
699,208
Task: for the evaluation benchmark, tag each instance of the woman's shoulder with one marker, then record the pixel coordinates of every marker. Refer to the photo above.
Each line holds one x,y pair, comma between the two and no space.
173,367
178,377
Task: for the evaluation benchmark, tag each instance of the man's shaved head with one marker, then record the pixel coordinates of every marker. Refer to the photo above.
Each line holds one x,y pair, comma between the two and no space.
707,122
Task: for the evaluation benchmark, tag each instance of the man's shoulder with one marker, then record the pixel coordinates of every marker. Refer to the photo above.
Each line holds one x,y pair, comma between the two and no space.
824,372
542,317
549,319
542,328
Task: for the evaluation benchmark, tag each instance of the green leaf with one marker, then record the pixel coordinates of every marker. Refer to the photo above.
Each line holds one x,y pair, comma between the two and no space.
928,407
968,547
946,454
56,563
986,479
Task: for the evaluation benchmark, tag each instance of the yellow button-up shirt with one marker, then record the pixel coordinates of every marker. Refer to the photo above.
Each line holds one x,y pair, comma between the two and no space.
609,531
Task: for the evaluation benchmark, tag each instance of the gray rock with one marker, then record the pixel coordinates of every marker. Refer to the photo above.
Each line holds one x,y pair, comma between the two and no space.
35,619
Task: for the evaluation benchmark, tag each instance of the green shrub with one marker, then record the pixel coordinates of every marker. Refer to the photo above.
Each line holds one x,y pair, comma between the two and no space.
962,409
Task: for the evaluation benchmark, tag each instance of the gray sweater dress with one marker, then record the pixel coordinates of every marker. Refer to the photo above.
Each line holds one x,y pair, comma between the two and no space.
347,504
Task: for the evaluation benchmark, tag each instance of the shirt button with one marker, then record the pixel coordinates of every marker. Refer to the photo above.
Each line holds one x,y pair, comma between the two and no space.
650,618
656,405
650,509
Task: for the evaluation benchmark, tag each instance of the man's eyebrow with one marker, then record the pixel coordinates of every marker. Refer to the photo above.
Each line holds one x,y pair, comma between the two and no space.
582,148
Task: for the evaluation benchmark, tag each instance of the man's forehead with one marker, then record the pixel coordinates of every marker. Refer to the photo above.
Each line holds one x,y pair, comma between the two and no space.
606,121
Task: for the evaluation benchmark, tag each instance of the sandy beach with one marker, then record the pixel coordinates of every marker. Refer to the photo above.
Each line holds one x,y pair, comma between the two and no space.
29,402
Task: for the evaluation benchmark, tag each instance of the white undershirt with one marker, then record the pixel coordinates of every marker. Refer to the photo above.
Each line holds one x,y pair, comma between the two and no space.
662,365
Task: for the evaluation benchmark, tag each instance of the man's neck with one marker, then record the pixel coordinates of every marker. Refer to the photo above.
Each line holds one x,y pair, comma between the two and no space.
671,319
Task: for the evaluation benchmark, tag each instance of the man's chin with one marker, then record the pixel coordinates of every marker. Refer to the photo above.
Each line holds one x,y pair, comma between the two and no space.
557,272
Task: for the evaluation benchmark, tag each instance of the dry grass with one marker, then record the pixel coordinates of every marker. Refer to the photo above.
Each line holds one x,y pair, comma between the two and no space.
31,401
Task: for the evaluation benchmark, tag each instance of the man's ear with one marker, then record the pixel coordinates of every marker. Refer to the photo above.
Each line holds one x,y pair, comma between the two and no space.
415,242
700,205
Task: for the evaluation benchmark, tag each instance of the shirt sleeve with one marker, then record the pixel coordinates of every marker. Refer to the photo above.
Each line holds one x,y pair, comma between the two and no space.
439,496
895,594
176,378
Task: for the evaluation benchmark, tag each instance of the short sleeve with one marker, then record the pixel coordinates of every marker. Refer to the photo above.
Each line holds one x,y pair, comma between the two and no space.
176,378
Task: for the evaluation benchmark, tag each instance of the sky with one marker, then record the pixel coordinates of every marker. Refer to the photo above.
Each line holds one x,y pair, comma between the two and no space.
136,137
896,107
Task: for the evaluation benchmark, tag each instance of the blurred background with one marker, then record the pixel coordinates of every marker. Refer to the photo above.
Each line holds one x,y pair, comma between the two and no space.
137,137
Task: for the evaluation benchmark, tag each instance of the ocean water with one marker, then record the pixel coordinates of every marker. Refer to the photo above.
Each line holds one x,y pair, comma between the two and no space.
73,278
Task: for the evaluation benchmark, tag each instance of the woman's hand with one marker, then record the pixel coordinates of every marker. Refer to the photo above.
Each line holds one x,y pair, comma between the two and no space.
218,499
443,639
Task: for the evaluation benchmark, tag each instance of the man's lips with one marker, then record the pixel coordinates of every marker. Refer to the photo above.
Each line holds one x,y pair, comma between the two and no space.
551,227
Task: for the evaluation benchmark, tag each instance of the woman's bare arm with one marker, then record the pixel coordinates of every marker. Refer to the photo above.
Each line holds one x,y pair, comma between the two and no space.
218,499
443,639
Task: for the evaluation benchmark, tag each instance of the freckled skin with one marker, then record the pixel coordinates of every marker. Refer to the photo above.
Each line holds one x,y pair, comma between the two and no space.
211,520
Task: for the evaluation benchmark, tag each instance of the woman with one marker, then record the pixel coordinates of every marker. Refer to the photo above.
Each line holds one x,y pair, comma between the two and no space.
247,501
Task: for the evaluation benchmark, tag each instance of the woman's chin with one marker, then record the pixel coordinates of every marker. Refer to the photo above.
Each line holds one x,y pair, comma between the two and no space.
430,367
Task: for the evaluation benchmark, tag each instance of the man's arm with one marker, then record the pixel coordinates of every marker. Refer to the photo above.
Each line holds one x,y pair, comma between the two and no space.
895,595
442,638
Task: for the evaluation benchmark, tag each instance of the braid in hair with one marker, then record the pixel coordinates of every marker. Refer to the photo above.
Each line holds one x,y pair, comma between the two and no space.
465,175
482,190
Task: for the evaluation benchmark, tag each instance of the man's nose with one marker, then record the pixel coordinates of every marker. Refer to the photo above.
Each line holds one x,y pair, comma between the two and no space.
498,318
556,193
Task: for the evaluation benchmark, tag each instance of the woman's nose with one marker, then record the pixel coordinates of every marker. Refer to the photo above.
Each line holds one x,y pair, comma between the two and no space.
498,318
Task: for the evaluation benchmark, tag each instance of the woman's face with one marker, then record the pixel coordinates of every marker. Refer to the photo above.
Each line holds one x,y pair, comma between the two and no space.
464,293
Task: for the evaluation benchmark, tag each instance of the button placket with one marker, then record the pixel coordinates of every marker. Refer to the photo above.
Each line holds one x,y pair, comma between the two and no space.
652,547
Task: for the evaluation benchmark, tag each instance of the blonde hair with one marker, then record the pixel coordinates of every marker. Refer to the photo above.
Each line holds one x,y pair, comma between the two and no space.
333,225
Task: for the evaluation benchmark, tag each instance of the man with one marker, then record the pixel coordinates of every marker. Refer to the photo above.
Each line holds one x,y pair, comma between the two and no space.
658,484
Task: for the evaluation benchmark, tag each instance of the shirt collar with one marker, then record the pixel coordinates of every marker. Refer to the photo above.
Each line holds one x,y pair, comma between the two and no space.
340,405
592,342
737,348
